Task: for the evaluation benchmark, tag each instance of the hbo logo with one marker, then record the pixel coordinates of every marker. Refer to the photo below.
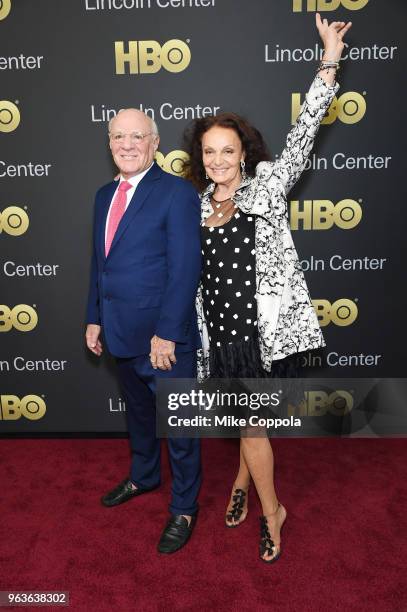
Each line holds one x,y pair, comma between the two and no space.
343,312
148,56
173,162
5,7
349,108
14,221
327,5
318,403
9,114
323,214
31,407
22,317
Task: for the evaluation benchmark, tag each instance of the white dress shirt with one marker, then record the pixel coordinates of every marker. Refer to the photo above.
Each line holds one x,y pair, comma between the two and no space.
134,181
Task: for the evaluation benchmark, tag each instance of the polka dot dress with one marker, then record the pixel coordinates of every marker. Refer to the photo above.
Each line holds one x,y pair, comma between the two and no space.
230,307
229,280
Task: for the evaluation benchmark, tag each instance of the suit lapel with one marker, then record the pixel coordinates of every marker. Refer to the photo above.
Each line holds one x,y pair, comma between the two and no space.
143,190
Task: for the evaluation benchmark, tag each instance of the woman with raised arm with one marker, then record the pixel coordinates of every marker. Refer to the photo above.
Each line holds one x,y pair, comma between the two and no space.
254,307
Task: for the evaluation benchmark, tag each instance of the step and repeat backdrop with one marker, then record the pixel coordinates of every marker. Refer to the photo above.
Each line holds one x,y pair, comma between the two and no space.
68,66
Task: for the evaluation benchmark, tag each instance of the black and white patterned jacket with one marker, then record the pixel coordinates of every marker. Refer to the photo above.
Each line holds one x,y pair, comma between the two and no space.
286,319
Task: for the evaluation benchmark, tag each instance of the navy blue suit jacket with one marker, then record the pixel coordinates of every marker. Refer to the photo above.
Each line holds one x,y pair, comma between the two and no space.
148,282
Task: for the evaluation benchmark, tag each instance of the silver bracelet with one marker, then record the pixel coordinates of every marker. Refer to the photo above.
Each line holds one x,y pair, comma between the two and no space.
325,65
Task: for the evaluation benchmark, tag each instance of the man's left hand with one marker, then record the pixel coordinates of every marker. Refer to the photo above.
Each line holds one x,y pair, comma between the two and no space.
162,353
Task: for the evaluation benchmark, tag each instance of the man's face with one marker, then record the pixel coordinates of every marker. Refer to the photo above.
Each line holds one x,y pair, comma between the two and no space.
132,144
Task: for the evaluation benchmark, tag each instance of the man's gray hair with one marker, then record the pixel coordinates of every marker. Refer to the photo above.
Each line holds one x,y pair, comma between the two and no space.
154,126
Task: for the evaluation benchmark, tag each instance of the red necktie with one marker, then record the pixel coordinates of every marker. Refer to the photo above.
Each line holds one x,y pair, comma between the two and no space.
116,213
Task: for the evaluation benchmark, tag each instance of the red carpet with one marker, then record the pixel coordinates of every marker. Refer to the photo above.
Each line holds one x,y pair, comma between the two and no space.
343,543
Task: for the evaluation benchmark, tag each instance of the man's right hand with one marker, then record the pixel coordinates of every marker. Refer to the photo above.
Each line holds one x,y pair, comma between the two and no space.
92,339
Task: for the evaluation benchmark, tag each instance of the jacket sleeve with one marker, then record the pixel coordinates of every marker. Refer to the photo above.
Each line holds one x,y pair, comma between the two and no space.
288,168
92,310
183,264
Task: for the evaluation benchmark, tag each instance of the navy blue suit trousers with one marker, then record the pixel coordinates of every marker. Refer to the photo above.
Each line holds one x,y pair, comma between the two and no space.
138,381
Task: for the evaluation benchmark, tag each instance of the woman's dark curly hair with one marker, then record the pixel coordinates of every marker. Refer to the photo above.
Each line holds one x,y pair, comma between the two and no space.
250,137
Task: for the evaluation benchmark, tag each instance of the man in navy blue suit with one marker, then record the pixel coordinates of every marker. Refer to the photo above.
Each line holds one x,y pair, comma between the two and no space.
144,276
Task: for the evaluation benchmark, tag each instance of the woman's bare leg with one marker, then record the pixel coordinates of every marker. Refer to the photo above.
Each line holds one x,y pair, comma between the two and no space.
242,481
259,459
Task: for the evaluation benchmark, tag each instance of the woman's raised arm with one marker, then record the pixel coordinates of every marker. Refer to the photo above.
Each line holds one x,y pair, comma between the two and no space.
332,37
300,140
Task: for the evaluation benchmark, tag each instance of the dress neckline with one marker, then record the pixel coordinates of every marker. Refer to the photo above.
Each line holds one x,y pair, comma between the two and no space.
215,211
221,201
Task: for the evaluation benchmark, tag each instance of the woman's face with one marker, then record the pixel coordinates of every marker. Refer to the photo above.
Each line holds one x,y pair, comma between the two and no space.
222,153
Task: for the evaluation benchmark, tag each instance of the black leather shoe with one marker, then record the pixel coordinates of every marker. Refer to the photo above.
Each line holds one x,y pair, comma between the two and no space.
122,493
176,533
